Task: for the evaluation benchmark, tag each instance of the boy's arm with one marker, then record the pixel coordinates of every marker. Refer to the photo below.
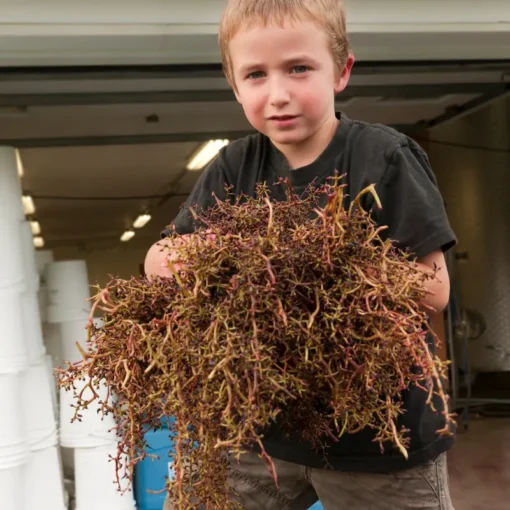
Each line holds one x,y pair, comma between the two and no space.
439,287
414,211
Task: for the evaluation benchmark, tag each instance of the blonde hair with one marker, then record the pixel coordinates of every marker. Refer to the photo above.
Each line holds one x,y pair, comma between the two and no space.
327,14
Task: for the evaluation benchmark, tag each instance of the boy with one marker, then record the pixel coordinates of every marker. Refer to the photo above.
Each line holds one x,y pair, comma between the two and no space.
286,60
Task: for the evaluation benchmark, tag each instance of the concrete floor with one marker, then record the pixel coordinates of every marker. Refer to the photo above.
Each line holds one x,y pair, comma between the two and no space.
479,465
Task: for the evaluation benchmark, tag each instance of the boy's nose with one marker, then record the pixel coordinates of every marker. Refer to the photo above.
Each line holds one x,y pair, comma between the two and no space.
278,94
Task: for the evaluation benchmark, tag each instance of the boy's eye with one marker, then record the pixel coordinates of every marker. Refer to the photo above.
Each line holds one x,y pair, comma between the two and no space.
255,75
300,69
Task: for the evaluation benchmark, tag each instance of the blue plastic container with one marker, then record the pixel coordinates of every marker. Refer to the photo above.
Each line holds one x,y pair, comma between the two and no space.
151,474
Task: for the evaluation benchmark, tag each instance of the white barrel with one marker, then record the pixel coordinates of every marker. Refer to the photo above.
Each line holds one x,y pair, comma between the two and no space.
43,481
32,279
11,255
94,429
11,207
93,468
39,415
68,290
12,487
32,327
13,443
13,350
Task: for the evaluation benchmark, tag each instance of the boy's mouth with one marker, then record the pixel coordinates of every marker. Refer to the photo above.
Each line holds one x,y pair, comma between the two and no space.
283,117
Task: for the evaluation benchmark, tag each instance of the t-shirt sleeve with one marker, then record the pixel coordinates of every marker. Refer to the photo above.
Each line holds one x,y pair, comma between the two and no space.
412,206
211,183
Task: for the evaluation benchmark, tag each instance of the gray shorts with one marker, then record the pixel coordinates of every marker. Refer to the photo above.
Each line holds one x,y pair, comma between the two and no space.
424,487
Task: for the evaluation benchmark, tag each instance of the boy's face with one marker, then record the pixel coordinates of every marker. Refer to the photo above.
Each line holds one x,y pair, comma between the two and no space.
286,80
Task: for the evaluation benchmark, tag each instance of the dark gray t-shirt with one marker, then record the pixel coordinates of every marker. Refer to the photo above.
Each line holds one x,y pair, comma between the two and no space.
413,210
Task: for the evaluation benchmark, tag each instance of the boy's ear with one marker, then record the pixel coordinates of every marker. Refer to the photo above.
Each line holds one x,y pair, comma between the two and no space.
342,78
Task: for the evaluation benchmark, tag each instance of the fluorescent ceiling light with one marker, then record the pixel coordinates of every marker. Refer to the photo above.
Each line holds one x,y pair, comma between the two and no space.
36,228
127,236
205,154
19,164
28,204
142,220
38,242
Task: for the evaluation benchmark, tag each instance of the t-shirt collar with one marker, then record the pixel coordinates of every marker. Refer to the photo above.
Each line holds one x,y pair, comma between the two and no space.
303,176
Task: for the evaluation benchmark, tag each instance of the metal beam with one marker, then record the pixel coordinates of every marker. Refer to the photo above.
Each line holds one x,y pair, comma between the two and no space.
458,111
106,98
90,141
110,72
171,71
193,96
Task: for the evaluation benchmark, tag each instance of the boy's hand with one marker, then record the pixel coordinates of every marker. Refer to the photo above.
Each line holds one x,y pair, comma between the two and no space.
161,254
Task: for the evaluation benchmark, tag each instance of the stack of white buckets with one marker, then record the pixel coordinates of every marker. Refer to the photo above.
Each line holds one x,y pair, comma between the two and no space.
92,440
30,469
31,472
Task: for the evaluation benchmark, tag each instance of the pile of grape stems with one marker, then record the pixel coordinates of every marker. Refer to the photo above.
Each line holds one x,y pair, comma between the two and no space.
285,312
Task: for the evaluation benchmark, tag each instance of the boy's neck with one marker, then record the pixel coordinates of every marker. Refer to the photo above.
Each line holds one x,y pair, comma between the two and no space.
306,152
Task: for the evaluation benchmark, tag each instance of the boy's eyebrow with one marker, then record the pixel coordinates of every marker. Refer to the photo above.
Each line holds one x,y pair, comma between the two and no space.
248,68
296,59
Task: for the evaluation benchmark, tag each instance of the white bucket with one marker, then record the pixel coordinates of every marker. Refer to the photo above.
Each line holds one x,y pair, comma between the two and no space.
13,350
11,488
32,327
68,290
70,333
32,279
44,484
94,469
13,444
11,206
93,430
11,255
40,424
59,314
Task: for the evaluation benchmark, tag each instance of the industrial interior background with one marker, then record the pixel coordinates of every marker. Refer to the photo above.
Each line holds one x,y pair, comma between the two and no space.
107,106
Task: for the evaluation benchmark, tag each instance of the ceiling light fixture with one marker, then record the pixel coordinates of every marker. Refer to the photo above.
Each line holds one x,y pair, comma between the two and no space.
36,228
38,242
19,164
142,220
205,154
127,236
28,205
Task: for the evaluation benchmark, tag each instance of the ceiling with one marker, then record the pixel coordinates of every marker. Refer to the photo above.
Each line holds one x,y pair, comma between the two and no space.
101,145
